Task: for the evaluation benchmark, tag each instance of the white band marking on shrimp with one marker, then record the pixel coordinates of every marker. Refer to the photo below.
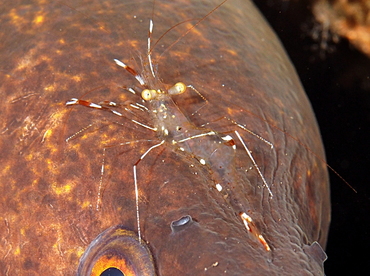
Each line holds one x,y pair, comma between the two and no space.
196,136
141,124
137,76
98,201
136,187
254,163
149,54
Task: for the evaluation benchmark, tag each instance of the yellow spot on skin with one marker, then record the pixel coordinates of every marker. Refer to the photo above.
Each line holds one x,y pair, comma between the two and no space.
39,19
47,134
58,115
17,251
6,169
75,146
23,63
50,88
134,43
62,189
105,135
76,78
194,31
232,52
34,183
14,16
55,245
51,165
29,157
80,251
86,204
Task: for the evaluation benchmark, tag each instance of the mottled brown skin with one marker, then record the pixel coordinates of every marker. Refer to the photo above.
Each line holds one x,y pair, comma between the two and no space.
49,188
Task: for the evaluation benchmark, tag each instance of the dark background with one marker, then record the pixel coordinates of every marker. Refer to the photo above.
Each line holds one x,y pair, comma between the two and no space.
337,81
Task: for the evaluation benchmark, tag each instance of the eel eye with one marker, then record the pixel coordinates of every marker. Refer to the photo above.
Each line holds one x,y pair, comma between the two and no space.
116,251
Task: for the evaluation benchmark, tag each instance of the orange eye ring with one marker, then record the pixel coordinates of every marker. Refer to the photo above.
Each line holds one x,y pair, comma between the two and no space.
117,249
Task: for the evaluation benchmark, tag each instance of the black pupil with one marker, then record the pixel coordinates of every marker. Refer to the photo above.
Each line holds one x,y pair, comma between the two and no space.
112,271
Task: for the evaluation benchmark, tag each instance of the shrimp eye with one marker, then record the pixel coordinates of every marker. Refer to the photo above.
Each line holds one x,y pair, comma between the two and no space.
148,95
177,89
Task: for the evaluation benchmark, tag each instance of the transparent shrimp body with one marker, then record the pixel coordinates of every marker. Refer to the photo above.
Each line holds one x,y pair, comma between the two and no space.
208,147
